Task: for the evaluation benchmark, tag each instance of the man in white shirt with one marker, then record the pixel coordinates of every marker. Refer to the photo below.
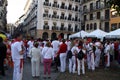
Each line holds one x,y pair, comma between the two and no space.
17,57
30,46
55,44
68,43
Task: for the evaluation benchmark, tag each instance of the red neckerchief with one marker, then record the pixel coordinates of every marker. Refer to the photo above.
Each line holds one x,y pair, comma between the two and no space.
16,40
80,47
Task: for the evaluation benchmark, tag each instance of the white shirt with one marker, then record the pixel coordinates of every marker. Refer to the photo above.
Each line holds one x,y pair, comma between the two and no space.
55,45
107,49
16,48
45,42
68,45
74,50
30,43
47,53
35,53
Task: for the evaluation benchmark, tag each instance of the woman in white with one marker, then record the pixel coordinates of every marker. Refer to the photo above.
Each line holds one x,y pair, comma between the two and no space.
107,55
72,60
35,60
47,53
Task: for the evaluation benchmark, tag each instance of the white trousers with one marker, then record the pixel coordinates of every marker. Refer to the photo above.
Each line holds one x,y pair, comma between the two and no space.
72,64
18,71
97,58
90,60
35,67
108,60
63,62
81,66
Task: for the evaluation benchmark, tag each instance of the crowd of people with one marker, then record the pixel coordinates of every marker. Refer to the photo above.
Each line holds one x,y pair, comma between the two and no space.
59,52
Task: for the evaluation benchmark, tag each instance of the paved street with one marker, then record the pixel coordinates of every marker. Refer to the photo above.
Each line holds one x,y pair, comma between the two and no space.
100,74
27,73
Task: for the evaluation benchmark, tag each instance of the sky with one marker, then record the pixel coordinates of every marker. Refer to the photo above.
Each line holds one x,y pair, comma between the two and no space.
15,9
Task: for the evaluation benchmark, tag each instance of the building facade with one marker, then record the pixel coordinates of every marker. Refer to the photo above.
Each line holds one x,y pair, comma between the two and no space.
3,13
95,14
49,19
114,20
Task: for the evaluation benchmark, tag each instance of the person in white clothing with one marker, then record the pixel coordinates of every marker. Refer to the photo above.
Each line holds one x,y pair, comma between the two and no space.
47,53
35,60
30,46
90,56
97,53
72,60
68,43
17,57
55,44
107,55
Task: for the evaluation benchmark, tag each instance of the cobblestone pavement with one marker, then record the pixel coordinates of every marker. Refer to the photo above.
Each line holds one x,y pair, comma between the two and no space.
99,74
27,73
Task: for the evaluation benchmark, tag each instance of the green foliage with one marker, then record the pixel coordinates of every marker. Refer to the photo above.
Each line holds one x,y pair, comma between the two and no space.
115,4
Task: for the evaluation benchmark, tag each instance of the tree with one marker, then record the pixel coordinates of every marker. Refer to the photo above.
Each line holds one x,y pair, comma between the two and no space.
115,4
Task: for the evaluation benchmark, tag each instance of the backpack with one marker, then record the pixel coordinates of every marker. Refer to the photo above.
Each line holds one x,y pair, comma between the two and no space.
80,55
69,54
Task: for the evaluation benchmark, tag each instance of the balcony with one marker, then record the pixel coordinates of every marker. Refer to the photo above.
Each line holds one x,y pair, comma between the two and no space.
47,4
77,0
73,19
54,28
69,18
85,1
63,28
46,27
62,17
70,29
55,5
85,11
55,16
63,7
45,15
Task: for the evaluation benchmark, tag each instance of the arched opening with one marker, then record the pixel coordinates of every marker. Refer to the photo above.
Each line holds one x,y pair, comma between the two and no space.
87,27
45,36
53,36
91,26
61,36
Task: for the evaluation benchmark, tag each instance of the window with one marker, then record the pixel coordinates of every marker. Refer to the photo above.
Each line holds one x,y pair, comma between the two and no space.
95,26
91,6
85,18
62,26
76,28
119,25
91,16
113,26
107,14
91,26
69,27
70,7
87,27
97,4
107,26
84,7
98,15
